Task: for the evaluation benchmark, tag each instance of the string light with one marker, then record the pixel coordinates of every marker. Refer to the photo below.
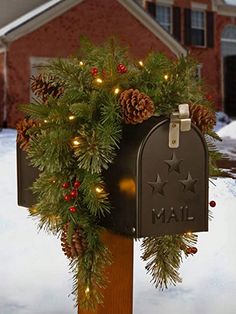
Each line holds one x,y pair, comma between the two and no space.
166,77
99,189
141,63
87,290
189,233
116,91
98,80
81,63
71,118
45,121
76,142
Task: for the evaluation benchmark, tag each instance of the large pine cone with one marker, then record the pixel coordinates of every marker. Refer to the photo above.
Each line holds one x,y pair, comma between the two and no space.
135,106
76,246
44,86
202,117
22,128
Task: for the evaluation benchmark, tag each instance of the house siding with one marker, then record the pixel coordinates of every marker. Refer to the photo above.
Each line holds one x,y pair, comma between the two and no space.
1,85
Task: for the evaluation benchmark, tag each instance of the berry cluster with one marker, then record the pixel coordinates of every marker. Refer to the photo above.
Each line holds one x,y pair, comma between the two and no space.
191,250
72,194
94,71
121,68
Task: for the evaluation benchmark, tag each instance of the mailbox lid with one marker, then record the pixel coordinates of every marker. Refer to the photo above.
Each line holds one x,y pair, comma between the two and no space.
172,195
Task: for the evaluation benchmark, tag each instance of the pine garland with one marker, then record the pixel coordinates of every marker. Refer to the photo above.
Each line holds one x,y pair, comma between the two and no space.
76,138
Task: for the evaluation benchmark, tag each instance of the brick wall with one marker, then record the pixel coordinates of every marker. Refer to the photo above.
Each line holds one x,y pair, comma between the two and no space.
94,19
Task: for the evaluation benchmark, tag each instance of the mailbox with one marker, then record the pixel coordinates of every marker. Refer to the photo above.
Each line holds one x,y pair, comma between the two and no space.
26,175
154,189
157,190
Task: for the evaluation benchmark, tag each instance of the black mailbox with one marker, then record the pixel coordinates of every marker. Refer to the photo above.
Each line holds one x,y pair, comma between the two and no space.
157,190
154,190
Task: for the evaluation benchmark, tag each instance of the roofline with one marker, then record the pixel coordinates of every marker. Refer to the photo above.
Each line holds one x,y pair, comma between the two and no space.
39,18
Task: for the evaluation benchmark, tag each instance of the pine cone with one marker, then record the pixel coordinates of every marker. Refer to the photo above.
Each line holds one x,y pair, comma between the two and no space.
44,86
76,246
22,128
135,106
202,117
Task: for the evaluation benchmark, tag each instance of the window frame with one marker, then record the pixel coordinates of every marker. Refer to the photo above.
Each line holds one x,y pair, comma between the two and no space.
166,5
204,28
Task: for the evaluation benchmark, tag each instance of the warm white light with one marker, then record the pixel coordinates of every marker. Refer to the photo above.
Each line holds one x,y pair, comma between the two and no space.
76,142
166,77
141,63
98,80
71,118
116,91
189,233
45,121
87,290
99,189
81,63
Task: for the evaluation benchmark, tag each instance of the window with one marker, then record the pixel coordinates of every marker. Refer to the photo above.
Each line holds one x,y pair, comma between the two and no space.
198,28
164,17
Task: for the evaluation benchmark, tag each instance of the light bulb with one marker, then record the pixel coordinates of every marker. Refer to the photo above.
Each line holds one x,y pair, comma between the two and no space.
76,142
98,80
99,189
116,91
71,118
81,63
141,63
166,77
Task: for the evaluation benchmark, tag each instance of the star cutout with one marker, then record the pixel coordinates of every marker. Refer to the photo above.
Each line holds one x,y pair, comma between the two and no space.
189,183
174,163
158,185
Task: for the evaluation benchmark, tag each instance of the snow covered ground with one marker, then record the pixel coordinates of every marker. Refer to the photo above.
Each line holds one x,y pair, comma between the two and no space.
33,271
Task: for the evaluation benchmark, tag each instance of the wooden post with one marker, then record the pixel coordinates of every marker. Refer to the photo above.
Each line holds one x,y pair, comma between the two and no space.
118,296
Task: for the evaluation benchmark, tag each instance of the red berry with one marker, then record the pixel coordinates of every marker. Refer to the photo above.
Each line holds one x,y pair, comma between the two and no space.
72,209
121,68
193,250
212,203
77,184
67,197
189,250
65,185
94,71
73,193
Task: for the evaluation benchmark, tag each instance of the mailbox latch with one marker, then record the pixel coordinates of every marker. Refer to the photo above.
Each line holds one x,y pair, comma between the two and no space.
179,122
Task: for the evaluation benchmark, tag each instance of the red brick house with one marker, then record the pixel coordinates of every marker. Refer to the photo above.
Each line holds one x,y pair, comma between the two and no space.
170,26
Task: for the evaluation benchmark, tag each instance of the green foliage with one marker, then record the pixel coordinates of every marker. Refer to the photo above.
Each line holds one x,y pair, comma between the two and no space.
77,139
164,256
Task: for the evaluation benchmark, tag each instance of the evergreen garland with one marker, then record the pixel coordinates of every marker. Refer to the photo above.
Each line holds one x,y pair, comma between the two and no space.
76,138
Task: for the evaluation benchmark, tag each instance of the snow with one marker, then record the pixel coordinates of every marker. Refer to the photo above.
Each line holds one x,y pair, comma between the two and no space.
228,131
34,273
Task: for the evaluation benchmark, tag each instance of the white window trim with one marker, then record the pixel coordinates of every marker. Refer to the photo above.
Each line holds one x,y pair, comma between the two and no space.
171,15
205,38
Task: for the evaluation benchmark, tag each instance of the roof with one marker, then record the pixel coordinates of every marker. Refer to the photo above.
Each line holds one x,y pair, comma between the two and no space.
54,8
10,10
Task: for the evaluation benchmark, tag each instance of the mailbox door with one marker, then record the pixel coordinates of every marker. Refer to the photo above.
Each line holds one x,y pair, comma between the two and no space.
172,196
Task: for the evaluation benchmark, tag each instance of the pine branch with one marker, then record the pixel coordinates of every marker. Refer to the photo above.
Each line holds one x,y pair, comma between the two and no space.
164,256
